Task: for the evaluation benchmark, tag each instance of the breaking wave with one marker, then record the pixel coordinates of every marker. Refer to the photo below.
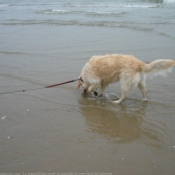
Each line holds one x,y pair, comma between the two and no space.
169,1
4,5
55,11
131,25
159,1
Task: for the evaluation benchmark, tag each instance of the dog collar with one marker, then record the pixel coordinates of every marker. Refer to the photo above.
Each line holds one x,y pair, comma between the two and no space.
81,79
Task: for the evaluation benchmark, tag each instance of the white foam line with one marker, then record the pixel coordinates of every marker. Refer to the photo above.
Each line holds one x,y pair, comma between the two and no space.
4,5
169,1
3,118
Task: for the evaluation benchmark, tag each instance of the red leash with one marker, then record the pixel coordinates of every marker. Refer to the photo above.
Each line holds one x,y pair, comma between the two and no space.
50,86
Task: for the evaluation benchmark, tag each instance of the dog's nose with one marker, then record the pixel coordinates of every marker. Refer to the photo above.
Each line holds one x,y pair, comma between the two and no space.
95,93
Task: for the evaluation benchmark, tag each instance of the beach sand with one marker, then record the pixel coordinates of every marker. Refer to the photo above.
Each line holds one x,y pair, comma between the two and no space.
62,130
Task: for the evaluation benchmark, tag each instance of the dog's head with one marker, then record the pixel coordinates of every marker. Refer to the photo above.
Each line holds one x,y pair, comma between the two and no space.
82,84
79,84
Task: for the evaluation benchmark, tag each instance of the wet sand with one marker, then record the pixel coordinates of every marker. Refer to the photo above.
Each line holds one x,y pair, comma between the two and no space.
60,129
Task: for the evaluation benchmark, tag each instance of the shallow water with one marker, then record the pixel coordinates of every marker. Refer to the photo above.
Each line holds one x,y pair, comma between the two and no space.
62,130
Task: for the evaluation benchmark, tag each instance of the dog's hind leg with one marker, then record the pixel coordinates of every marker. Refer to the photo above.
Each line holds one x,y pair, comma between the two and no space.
124,93
125,85
143,89
126,82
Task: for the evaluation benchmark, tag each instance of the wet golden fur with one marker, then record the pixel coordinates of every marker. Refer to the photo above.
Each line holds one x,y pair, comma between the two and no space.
100,71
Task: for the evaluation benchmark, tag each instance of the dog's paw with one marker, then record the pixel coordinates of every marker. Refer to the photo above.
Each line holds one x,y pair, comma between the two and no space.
95,93
116,101
145,99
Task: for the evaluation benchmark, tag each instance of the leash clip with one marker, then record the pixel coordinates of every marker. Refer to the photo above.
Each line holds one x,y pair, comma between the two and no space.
80,79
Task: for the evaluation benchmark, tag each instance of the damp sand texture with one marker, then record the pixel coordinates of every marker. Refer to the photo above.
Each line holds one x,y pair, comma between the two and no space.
60,129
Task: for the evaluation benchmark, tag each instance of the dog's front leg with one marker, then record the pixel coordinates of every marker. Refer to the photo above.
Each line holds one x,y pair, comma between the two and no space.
92,89
102,88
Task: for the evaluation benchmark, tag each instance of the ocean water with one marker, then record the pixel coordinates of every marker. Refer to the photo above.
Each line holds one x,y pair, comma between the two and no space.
62,130
73,30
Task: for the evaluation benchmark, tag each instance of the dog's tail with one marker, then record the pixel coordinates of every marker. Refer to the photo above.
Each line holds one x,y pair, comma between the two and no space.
159,67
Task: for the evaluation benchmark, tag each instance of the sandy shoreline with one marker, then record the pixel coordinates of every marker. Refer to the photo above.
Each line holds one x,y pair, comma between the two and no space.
61,130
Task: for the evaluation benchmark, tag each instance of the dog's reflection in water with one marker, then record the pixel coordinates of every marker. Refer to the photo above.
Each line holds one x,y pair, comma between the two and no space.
124,123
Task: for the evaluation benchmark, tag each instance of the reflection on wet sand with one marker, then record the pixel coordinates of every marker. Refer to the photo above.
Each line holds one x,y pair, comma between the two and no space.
122,123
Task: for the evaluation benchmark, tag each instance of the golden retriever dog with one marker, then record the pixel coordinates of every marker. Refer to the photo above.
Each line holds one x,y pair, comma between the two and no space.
100,71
